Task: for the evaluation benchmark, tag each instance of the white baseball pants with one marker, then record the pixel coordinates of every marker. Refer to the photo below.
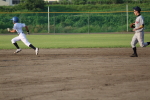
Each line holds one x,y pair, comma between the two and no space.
138,37
21,37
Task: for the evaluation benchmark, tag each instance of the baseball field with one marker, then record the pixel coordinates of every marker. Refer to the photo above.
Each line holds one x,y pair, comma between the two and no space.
75,67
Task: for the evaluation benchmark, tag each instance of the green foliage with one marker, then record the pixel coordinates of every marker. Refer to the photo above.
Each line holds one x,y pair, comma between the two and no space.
25,5
93,2
76,22
31,4
97,7
73,23
77,2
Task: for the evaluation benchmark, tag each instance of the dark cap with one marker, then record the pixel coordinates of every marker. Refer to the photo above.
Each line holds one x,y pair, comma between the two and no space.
137,8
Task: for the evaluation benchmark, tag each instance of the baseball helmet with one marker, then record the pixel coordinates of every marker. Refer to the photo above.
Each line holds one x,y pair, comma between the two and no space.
15,19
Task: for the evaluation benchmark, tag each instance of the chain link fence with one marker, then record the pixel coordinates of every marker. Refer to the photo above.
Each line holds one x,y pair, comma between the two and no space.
74,22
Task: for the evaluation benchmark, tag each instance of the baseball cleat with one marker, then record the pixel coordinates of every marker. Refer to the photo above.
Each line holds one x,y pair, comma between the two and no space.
134,55
36,51
17,51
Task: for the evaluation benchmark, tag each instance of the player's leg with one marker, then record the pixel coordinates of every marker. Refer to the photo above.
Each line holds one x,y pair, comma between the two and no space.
27,43
140,38
36,49
14,41
133,44
148,43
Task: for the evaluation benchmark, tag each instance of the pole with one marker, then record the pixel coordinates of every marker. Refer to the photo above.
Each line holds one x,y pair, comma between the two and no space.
88,23
54,23
127,17
48,21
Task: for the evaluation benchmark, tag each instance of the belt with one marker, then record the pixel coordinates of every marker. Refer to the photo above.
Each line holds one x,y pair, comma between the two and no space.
21,32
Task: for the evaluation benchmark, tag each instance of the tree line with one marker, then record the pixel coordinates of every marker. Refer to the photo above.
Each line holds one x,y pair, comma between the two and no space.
83,2
29,5
41,5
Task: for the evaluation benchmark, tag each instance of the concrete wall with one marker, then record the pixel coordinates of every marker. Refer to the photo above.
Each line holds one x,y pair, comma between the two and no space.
52,0
5,3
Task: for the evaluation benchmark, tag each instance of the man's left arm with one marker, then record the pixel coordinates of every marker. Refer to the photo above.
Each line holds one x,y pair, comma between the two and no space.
12,31
141,26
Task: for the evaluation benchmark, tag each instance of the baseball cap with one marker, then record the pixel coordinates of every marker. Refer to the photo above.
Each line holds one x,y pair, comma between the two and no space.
137,8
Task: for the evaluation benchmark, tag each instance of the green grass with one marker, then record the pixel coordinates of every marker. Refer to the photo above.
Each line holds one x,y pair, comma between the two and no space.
73,41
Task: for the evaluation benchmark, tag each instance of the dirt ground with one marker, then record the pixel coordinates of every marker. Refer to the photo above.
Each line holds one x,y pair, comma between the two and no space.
75,74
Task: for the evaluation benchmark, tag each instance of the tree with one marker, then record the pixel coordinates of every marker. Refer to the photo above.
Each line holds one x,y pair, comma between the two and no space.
77,2
32,4
116,1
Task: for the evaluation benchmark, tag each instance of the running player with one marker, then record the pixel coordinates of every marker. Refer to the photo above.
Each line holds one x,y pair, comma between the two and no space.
22,37
139,32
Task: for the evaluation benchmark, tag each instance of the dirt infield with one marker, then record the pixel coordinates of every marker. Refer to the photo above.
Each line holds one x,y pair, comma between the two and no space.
75,74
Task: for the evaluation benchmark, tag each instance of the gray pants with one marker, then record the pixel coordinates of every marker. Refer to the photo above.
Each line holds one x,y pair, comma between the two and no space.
138,37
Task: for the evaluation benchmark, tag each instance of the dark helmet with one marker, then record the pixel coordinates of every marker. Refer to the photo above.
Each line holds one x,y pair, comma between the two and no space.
15,19
137,8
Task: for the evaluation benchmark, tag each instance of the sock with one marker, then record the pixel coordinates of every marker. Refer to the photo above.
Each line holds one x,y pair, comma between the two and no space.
16,45
134,50
148,43
32,46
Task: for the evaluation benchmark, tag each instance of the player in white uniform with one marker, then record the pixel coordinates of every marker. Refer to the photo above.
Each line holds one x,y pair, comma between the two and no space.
22,37
139,32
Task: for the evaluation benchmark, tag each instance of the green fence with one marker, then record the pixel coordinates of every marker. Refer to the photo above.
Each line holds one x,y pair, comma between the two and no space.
74,22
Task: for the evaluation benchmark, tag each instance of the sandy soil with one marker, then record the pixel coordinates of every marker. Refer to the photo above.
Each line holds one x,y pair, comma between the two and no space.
75,74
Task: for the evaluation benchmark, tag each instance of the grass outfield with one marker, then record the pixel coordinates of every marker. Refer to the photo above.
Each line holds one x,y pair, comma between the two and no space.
73,41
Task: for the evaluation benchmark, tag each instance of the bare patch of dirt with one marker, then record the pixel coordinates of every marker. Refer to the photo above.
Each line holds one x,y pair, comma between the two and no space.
75,74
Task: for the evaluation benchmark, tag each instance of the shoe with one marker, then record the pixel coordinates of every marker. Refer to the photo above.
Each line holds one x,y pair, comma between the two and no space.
17,51
134,55
36,51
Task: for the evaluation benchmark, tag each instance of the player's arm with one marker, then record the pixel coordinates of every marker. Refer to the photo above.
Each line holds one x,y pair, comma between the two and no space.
142,26
12,31
27,29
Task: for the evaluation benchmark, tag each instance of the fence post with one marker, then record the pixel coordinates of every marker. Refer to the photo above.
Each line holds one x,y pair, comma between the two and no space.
127,17
48,21
54,23
88,23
